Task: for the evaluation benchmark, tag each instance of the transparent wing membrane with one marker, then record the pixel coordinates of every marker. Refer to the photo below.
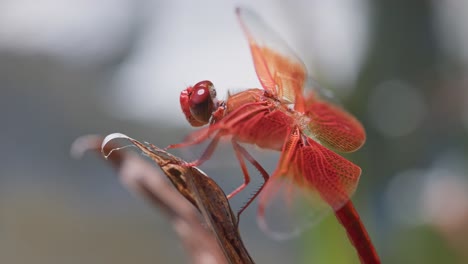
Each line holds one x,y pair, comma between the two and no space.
334,127
315,181
279,70
286,209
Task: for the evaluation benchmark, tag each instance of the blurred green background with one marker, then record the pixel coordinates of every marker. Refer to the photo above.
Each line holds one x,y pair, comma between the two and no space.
69,67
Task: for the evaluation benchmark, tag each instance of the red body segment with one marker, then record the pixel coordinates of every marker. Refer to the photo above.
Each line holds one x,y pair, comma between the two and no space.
357,233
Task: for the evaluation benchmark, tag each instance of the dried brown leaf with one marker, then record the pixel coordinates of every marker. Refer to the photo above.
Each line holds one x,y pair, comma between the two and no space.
197,188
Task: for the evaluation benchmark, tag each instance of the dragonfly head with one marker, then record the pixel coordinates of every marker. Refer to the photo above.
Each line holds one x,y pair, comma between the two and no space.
198,103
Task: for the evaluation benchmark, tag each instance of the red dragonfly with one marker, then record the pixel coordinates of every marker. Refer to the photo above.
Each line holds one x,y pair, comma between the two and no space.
280,117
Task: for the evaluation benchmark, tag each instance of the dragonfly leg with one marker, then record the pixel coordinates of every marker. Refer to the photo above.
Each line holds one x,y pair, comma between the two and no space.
196,137
208,151
242,153
245,171
226,124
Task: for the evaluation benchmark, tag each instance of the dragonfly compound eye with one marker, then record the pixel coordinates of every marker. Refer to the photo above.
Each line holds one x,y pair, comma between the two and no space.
202,101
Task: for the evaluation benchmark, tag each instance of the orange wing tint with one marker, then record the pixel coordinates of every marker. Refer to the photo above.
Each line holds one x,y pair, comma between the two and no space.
309,181
334,127
279,70
335,177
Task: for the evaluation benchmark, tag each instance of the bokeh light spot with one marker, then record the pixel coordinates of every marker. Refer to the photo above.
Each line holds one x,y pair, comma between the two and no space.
396,108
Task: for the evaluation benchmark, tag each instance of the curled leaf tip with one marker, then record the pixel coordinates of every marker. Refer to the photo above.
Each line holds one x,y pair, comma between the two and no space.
110,138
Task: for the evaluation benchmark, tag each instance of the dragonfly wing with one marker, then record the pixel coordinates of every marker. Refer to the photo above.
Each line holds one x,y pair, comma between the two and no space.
287,209
334,177
279,70
334,127
316,182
